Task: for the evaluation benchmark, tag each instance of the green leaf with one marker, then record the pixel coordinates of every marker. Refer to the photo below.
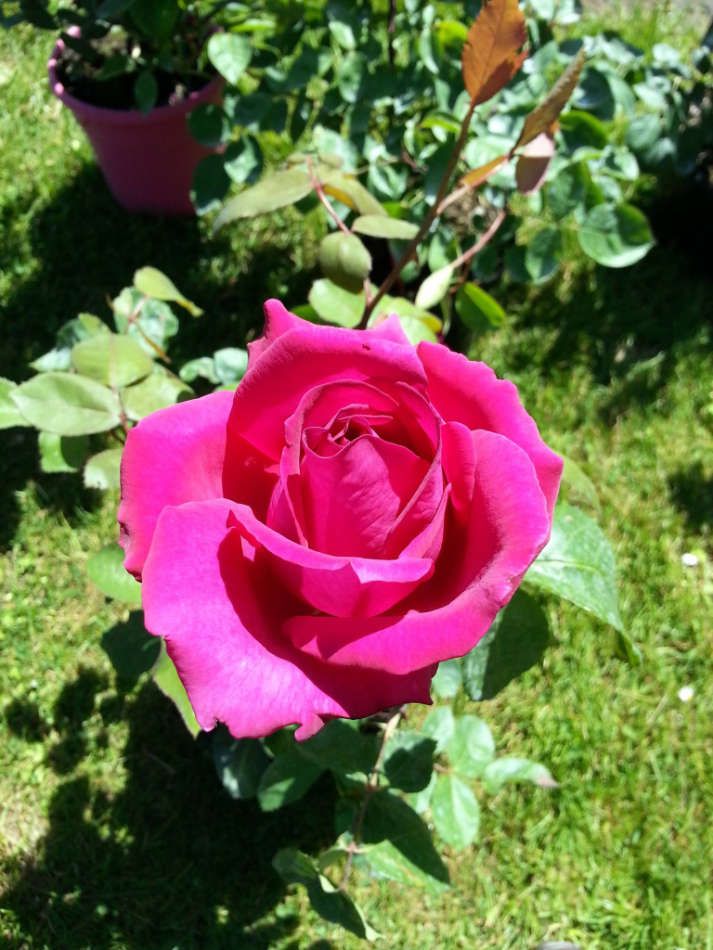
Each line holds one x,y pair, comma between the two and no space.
241,159
471,747
168,681
477,309
420,801
157,391
578,564
154,283
387,180
102,470
209,125
447,681
336,150
402,846
67,404
287,779
203,367
577,483
335,305
57,360
455,811
344,260
106,570
62,453
10,415
643,132
231,364
230,54
341,747
569,190
434,288
615,235
515,642
275,191
542,254
156,19
342,33
210,185
352,193
327,900
110,8
408,760
240,763
150,322
418,324
131,649
581,129
349,73
440,725
111,359
505,770
379,226
145,91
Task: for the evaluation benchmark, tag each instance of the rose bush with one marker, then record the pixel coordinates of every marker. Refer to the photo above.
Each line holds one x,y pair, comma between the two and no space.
314,544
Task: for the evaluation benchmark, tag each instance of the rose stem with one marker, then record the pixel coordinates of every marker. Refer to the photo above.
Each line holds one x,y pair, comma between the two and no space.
317,185
492,229
427,221
371,786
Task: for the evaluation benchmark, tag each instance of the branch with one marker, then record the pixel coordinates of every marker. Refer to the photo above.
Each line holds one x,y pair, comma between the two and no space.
433,211
371,786
317,185
484,238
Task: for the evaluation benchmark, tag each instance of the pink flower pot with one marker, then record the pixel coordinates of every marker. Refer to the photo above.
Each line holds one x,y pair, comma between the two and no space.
148,160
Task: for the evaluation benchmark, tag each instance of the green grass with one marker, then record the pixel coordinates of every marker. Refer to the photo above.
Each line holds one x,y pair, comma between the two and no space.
679,23
114,831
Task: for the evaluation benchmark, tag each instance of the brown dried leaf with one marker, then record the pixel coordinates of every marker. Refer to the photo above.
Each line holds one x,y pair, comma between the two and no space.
491,54
542,118
478,175
533,162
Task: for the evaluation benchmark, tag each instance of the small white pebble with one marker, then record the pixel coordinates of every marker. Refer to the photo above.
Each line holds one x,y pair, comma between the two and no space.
689,560
686,693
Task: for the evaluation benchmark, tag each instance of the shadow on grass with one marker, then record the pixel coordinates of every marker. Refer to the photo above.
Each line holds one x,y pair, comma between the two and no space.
691,490
169,861
83,250
628,324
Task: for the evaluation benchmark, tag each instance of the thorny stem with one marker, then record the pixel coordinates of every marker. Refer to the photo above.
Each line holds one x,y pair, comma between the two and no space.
317,185
433,211
482,240
133,318
371,786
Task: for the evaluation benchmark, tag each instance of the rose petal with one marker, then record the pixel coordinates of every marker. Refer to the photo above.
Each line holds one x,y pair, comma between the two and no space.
469,392
278,320
173,456
352,501
219,615
501,523
389,328
304,357
341,586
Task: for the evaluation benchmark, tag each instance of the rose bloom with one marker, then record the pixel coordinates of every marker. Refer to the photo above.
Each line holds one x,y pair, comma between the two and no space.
315,543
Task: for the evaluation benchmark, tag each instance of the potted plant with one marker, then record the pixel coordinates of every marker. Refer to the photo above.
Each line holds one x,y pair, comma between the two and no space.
131,71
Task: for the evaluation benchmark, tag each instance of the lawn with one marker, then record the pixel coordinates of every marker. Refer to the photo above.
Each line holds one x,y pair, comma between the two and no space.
114,830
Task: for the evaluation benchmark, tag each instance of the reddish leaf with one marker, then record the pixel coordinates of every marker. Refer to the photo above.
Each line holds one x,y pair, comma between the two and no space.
533,162
478,175
542,118
491,54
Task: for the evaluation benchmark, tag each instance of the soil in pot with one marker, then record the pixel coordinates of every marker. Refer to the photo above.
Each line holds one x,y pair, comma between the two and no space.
82,77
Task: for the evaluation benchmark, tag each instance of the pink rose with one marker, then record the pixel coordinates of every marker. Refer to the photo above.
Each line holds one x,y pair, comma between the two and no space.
314,544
